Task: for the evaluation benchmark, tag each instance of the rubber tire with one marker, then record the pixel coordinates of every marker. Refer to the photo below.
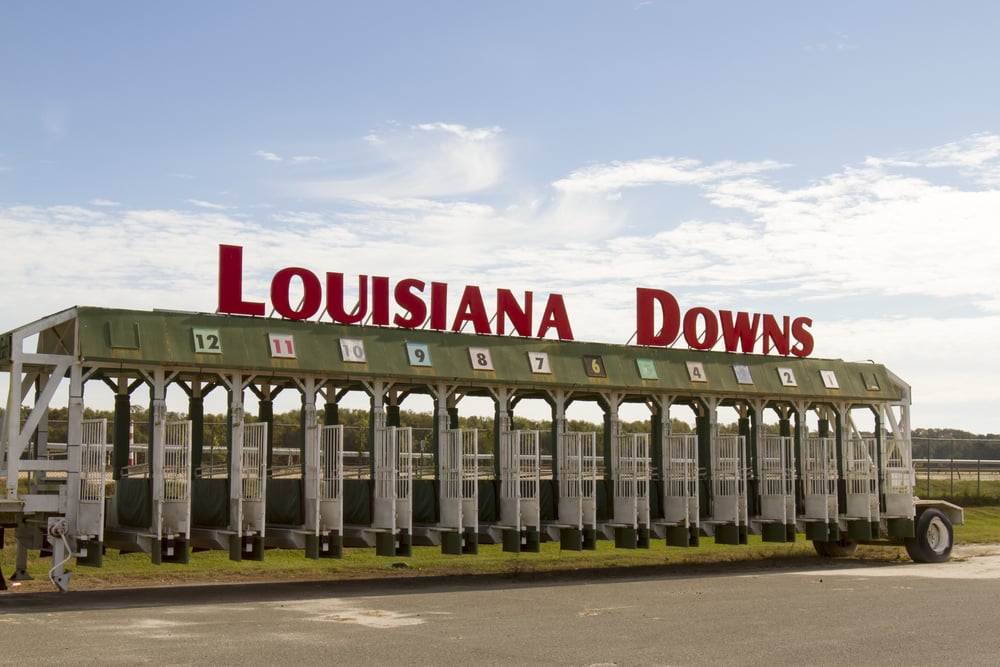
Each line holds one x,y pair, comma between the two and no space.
934,537
835,548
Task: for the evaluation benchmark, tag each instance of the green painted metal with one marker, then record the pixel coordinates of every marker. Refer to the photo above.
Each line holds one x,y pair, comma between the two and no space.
167,338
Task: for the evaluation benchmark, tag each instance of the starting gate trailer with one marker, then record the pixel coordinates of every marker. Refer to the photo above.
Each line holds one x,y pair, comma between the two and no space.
836,484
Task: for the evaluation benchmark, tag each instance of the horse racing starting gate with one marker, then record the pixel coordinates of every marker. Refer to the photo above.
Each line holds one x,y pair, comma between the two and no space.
835,467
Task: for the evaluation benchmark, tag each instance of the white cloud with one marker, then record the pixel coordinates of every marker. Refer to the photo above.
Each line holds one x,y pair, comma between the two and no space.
207,204
657,171
432,160
460,131
270,157
848,249
103,202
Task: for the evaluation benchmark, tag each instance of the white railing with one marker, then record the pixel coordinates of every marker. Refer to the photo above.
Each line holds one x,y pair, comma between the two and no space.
93,460
331,462
680,479
254,467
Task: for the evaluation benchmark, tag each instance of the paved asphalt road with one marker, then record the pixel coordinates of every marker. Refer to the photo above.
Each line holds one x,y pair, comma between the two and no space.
732,614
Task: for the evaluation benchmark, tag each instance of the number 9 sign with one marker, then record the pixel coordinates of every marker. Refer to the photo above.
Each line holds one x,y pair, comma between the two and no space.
418,354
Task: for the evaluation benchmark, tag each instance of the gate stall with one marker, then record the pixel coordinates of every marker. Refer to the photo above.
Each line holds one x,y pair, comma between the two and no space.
900,478
630,482
392,520
247,490
819,482
93,489
520,509
681,511
776,473
459,491
861,474
577,490
729,519
324,491
172,492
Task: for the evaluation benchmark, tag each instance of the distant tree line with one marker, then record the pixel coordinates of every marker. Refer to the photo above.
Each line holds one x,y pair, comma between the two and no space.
927,442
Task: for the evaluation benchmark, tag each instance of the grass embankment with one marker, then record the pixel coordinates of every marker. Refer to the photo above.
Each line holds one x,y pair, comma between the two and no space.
128,570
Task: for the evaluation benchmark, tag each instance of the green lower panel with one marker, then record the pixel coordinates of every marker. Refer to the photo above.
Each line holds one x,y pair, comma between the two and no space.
404,544
235,548
773,532
571,539
385,544
470,542
257,548
626,537
246,546
177,550
589,539
512,541
451,543
859,530
678,536
312,547
817,531
334,546
900,528
727,533
695,536
532,540
834,531
642,538
95,553
458,544
790,532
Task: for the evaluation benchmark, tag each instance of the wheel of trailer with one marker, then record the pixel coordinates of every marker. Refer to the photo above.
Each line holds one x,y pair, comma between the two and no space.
835,548
934,537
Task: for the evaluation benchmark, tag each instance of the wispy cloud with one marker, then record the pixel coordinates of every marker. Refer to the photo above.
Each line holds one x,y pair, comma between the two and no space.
295,159
426,161
270,157
657,171
207,204
103,202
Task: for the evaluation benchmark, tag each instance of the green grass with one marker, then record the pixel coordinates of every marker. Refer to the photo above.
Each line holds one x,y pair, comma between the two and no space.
982,526
965,492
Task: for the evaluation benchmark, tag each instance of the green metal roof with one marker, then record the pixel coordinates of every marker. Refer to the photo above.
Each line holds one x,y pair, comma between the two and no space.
129,338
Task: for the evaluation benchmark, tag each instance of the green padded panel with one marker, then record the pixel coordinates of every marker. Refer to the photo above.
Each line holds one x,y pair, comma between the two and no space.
284,502
426,508
357,502
210,503
133,502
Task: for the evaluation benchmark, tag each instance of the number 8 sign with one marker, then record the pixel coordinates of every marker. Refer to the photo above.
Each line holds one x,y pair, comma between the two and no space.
481,358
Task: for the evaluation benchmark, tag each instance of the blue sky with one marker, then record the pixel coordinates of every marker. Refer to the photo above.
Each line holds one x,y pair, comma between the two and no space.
838,161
